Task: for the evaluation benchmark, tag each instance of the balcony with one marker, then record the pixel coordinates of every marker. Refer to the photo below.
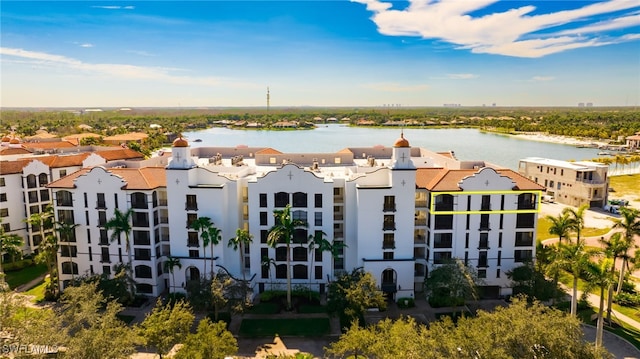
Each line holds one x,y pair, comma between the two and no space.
190,206
421,203
420,221
390,207
419,239
389,226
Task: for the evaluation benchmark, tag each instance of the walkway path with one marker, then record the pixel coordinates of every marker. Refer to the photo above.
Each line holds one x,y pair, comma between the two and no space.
25,287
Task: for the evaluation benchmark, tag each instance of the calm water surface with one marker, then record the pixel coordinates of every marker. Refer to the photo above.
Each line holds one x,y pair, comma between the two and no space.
468,144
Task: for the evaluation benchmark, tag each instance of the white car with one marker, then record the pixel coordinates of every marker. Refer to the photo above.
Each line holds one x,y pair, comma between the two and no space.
612,208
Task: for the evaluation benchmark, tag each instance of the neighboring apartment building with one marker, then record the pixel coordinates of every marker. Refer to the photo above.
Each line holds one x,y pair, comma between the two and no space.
374,200
572,183
23,184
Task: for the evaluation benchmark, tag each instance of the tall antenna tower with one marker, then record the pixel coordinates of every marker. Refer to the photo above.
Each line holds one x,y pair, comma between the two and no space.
268,98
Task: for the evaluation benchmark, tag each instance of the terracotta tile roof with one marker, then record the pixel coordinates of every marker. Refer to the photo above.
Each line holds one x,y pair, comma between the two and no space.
6,151
75,139
12,167
146,178
48,145
68,160
268,151
442,179
119,153
133,136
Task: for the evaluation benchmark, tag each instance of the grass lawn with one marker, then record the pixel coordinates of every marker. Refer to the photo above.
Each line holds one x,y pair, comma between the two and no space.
265,308
305,327
38,291
544,225
625,185
308,308
25,275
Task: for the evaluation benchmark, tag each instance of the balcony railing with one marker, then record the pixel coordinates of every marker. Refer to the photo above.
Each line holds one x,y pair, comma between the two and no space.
389,207
190,206
421,203
420,222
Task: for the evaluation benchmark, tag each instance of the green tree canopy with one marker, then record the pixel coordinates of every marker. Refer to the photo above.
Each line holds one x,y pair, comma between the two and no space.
211,341
166,326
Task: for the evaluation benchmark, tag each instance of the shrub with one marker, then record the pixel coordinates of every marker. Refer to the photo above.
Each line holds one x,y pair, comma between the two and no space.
406,303
627,299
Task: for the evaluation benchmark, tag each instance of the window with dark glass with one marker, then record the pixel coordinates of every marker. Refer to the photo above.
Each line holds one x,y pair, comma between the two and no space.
100,202
443,240
106,270
140,219
482,273
299,199
194,253
482,259
104,238
68,251
486,203
31,181
64,198
318,200
317,219
524,239
143,271
141,238
521,255
444,202
263,200
484,240
192,239
484,222
525,220
3,197
526,201
33,196
300,215
281,199
192,203
281,254
389,222
444,221
44,195
65,216
263,235
299,254
191,217
441,257
300,235
141,254
281,271
387,256
318,272
69,268
139,200
388,241
263,218
389,204
104,255
300,271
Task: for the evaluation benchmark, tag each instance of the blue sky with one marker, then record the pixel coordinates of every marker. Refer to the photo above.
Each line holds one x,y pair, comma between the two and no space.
319,53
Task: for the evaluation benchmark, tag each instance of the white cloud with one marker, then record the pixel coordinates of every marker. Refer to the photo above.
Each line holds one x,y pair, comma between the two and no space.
118,70
516,32
461,76
394,87
87,45
543,78
140,52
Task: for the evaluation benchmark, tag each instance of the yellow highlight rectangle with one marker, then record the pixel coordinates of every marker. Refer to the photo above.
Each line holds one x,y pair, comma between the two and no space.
463,193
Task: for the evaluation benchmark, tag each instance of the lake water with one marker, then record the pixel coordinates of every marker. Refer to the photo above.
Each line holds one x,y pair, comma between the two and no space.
468,144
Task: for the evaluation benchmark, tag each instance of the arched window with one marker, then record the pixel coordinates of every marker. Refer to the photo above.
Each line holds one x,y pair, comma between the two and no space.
192,273
139,200
69,268
281,199
300,271
299,199
43,179
31,181
64,198
143,271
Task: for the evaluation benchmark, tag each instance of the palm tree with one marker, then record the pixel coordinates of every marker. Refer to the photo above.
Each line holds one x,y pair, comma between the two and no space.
614,248
215,237
10,244
121,223
316,241
283,232
66,233
203,225
560,225
577,216
599,274
630,225
243,238
169,265
573,258
268,262
39,220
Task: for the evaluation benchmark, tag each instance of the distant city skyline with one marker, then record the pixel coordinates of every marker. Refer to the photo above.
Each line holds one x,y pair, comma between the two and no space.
359,53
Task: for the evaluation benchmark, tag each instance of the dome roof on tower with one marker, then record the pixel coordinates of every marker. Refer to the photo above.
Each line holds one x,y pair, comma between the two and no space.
180,142
401,142
14,141
6,139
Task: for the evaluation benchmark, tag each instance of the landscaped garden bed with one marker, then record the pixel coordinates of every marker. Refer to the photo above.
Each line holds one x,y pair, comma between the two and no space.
306,327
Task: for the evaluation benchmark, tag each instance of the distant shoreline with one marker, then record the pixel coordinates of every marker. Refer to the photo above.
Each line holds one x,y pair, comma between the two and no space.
563,140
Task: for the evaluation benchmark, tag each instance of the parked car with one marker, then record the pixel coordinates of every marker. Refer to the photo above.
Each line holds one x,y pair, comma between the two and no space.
612,208
547,198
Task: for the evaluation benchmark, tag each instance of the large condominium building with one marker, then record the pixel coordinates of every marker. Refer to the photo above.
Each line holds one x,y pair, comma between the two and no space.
24,176
399,212
572,183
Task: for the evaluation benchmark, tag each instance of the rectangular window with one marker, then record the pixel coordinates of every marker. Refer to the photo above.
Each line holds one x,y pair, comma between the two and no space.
100,201
444,221
193,240
33,196
106,270
524,239
44,195
484,222
263,235
387,256
191,203
521,255
389,223
194,253
318,274
443,240
191,217
104,238
141,238
104,255
86,218
500,240
263,218
318,200
466,240
389,241
62,173
486,203
482,273
484,240
2,183
499,258
389,204
86,200
482,259
68,251
318,219
6,227
4,212
263,200
441,257
90,254
525,220
115,200
142,254
3,197
498,273
102,218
